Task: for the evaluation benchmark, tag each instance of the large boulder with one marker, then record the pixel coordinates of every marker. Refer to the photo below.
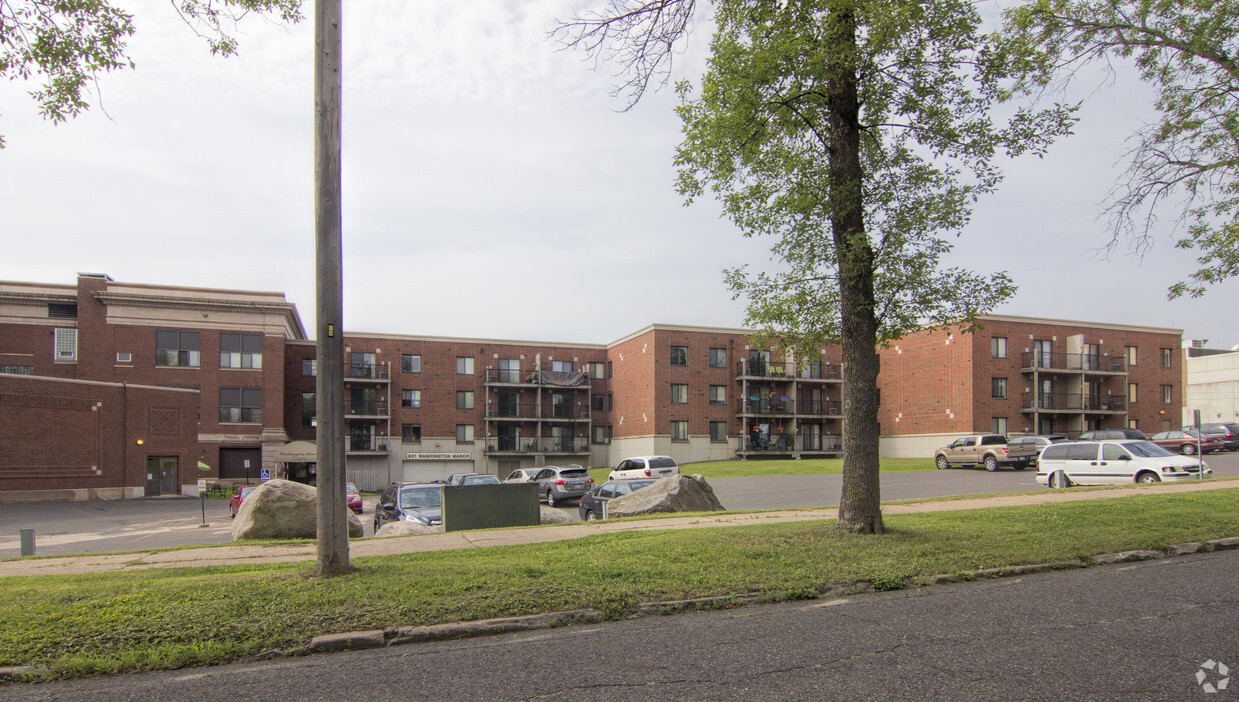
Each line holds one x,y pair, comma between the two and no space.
283,509
550,515
675,493
406,529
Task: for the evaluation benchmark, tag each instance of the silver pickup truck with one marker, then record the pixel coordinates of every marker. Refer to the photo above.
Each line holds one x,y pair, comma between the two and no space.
989,450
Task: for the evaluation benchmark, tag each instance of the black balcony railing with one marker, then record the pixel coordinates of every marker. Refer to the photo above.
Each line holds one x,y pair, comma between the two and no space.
764,369
825,408
365,444
823,442
367,371
530,376
768,407
1087,362
503,410
366,408
820,371
564,412
1074,402
505,444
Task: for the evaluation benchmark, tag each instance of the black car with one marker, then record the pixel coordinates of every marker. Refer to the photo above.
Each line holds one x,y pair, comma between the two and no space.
417,503
593,503
1222,432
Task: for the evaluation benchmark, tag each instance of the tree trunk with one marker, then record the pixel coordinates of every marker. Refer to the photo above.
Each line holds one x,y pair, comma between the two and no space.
860,504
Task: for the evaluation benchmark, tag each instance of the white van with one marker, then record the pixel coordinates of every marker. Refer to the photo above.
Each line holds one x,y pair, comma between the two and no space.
644,467
1114,462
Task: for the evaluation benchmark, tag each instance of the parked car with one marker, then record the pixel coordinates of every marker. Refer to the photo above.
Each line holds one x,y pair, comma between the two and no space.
1023,451
644,467
239,493
417,503
354,497
1115,434
989,450
593,503
557,484
459,479
522,475
1221,432
1114,462
1184,442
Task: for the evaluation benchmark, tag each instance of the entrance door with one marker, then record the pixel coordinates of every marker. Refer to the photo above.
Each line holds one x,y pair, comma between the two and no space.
161,476
508,437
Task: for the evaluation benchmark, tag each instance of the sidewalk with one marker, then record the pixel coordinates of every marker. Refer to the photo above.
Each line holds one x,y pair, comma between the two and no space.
233,554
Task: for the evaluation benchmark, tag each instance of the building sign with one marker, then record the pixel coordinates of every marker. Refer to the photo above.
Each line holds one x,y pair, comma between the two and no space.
438,456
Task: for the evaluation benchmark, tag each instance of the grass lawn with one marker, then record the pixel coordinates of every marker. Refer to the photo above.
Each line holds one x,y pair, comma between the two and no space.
151,619
806,466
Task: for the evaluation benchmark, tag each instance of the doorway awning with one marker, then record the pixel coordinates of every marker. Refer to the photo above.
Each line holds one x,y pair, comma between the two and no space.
297,452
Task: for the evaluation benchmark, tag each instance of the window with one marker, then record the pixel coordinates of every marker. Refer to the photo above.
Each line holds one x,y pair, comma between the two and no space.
509,370
679,355
464,399
411,433
679,393
610,401
998,347
240,351
1133,424
361,365
464,365
1092,357
464,432
411,398
1167,394
62,310
718,431
679,430
597,403
176,348
1167,358
998,388
309,366
240,405
309,410
998,425
598,371
1130,352
718,394
1132,392
718,358
561,366
1043,353
17,370
410,363
599,435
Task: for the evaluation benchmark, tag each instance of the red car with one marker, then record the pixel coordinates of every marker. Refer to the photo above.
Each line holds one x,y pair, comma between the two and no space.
354,497
239,494
1185,442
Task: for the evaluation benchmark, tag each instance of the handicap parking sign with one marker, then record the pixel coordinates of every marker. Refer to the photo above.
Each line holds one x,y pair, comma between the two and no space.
264,474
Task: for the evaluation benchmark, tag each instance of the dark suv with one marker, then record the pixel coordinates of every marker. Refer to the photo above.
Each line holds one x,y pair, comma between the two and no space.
1115,434
417,503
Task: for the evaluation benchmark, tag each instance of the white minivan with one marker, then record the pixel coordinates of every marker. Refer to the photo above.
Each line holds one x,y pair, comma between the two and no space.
644,467
1114,462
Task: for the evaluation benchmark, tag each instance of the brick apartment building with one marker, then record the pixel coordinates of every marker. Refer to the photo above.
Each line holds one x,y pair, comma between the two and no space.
420,407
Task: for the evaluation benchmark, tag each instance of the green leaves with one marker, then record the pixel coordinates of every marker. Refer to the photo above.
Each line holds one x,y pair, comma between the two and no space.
1187,164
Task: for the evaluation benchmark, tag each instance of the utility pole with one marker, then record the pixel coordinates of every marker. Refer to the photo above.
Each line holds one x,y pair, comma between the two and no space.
332,522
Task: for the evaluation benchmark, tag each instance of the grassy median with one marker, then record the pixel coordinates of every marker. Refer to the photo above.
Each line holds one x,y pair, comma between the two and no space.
104,623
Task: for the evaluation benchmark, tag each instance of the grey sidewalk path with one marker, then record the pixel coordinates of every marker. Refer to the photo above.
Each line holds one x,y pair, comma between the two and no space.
233,554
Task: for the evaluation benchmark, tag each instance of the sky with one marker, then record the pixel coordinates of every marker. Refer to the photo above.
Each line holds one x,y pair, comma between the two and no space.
492,186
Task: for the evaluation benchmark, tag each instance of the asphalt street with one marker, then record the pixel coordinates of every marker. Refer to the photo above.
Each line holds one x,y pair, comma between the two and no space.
1154,630
99,526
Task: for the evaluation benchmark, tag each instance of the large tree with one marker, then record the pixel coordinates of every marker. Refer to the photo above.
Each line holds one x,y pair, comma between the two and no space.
66,46
1186,165
857,134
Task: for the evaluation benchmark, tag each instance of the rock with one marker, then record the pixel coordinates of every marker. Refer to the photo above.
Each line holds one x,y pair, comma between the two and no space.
550,515
406,529
678,493
283,509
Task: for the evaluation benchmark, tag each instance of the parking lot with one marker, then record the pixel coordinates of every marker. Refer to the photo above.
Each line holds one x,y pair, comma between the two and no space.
119,525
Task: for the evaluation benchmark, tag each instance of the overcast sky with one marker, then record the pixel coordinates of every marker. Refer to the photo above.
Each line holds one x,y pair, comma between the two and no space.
491,186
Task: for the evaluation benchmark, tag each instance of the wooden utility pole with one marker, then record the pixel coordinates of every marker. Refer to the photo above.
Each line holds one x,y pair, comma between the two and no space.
332,522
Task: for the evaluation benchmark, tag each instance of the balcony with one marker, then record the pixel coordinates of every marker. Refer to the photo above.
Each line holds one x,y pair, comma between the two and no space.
767,407
362,444
765,369
776,445
362,372
819,371
537,378
535,412
522,446
824,443
820,408
1103,364
370,409
1074,402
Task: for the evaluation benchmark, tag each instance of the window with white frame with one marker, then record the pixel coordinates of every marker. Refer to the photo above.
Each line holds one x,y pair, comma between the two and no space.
309,367
598,370
679,393
411,399
240,351
464,433
464,365
177,348
998,387
561,366
464,399
998,425
998,347
410,363
1133,392
1130,352
718,394
1167,394
1167,358
679,430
